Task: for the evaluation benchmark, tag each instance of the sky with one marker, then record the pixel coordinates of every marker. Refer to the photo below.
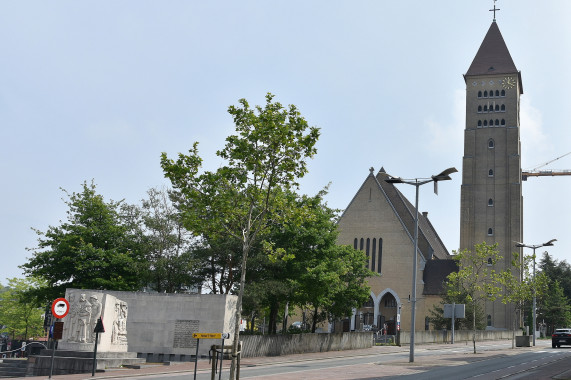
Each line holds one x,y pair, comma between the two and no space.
97,90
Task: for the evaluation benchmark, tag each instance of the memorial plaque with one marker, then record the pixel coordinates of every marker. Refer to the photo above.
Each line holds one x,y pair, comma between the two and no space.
183,330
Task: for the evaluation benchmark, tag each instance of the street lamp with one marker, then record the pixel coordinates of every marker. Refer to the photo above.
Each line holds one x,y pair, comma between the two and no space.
417,182
534,247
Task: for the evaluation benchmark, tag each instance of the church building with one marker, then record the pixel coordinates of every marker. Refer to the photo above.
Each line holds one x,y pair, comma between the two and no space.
379,220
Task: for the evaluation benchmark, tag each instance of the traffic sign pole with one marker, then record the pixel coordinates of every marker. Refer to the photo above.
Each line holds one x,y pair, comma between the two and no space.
196,357
221,358
60,308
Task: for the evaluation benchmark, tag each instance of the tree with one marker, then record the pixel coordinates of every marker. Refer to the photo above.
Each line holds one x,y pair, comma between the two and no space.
307,267
557,271
267,154
439,322
20,313
217,261
520,286
476,277
92,250
555,309
165,246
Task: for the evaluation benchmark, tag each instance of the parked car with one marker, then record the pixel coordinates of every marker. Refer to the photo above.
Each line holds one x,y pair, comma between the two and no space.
561,337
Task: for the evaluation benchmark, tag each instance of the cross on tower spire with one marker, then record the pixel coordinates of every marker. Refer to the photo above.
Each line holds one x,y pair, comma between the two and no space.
494,10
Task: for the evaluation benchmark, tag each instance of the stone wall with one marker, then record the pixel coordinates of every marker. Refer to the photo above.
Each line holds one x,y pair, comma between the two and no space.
276,345
445,336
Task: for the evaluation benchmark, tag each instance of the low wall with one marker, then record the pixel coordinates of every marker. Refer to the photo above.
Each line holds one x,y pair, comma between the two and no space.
445,336
276,345
156,326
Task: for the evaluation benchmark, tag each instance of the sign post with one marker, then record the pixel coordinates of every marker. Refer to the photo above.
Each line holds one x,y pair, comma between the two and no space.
454,311
98,329
199,336
60,308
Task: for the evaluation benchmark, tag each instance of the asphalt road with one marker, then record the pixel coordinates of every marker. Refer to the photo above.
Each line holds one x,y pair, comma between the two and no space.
493,361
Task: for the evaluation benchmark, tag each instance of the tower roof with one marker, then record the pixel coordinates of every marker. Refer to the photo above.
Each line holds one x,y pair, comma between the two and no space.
493,57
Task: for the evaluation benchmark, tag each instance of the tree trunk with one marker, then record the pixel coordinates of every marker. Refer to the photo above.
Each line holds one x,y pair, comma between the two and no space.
245,251
314,322
272,324
513,333
474,325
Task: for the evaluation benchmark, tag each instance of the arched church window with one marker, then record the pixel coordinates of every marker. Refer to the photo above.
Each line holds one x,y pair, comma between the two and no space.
361,244
486,108
503,108
479,123
427,323
367,251
485,94
503,93
490,263
503,121
390,301
355,243
489,320
485,123
497,122
373,255
479,94
490,202
497,109
491,143
380,261
491,173
479,108
369,303
491,122
490,232
497,93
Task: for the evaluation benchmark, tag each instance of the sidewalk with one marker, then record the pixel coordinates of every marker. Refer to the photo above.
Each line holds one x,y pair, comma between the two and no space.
455,356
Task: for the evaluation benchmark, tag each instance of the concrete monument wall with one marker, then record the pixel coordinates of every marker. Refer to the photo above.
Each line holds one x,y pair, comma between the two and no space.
157,326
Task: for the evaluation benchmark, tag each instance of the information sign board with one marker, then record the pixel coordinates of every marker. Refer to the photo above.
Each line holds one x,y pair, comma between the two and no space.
211,335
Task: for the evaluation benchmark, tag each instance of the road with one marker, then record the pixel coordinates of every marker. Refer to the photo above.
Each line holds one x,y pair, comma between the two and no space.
494,361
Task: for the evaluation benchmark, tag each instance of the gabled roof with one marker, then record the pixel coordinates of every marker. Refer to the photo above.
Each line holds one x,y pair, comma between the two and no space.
429,242
493,57
435,273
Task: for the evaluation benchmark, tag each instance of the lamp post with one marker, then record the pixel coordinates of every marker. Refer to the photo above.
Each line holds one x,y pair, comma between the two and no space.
534,247
417,182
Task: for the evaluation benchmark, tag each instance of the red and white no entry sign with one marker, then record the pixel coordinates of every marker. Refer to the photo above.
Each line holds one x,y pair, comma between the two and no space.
60,308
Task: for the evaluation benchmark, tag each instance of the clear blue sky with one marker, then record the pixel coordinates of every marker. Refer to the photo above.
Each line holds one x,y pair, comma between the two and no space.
97,90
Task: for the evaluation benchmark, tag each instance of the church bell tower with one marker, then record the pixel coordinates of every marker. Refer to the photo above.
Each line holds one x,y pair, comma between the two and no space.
491,194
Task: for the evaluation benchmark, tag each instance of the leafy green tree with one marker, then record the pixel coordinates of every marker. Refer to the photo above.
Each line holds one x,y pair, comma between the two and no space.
476,278
267,154
306,267
555,308
268,288
20,313
557,271
165,246
439,322
520,286
92,250
217,261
